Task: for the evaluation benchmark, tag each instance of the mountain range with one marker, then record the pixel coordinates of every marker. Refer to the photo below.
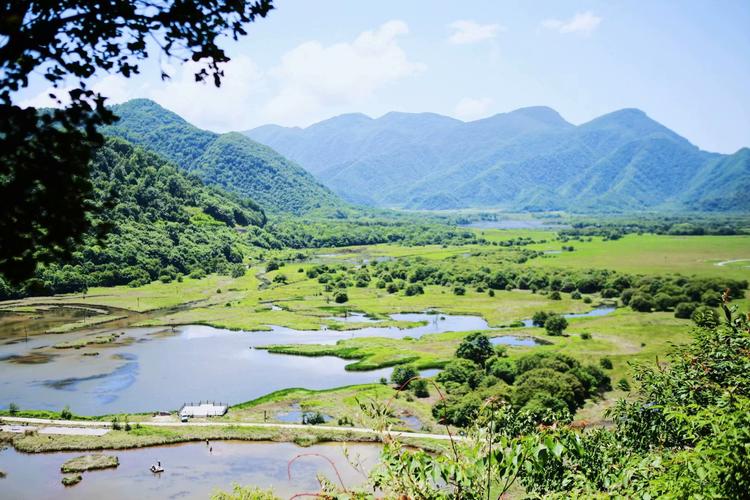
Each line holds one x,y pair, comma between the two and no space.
231,161
528,159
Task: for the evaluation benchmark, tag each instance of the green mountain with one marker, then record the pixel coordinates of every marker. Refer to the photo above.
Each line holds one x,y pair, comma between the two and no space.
161,222
528,159
231,161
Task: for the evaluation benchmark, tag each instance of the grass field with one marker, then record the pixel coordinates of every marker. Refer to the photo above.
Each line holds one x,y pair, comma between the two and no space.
254,301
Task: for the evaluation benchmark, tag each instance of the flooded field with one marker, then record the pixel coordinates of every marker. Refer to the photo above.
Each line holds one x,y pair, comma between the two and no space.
190,471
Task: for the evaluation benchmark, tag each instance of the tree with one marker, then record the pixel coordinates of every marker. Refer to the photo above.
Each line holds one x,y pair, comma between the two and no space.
555,324
45,192
475,347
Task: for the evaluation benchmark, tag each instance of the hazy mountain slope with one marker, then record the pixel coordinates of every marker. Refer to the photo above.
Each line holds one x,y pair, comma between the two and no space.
530,158
232,161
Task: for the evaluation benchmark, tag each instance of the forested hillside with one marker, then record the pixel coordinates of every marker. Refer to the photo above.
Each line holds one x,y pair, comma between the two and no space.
161,223
529,159
231,161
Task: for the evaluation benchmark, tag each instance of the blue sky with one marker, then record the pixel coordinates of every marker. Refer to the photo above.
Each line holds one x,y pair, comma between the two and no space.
685,63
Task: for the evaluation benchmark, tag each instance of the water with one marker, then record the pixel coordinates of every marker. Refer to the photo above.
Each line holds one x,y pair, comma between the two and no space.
190,471
516,341
599,311
160,370
516,224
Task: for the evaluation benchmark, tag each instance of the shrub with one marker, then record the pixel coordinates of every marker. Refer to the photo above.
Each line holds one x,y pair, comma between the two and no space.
705,317
313,418
685,310
587,300
491,293
461,371
605,363
609,293
340,297
391,288
459,290
413,289
66,414
576,295
555,295
623,384
420,388
555,325
641,303
13,409
403,373
711,298
502,368
272,265
280,278
586,336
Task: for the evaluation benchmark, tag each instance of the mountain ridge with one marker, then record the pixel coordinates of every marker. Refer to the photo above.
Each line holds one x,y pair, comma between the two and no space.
527,159
231,161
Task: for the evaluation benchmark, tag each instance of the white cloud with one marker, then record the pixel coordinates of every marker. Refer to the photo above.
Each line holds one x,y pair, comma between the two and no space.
470,108
310,82
583,23
230,106
312,76
470,32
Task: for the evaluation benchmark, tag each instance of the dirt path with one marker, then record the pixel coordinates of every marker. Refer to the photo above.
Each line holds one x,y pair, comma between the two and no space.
363,430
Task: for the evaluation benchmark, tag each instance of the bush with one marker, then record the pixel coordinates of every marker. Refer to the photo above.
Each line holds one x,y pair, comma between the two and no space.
391,288
555,295
66,414
685,310
459,290
605,363
711,298
420,388
705,317
587,300
641,303
280,278
413,289
313,418
502,368
403,373
623,384
272,265
13,409
461,371
340,297
609,293
491,293
585,336
555,325
576,295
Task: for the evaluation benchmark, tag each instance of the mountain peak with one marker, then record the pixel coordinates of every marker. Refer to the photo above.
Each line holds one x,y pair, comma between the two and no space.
542,114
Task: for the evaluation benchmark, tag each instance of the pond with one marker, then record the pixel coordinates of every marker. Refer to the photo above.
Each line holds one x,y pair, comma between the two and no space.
598,311
152,369
517,341
190,470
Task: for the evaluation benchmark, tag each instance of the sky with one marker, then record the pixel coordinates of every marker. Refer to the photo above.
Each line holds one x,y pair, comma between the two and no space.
685,63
